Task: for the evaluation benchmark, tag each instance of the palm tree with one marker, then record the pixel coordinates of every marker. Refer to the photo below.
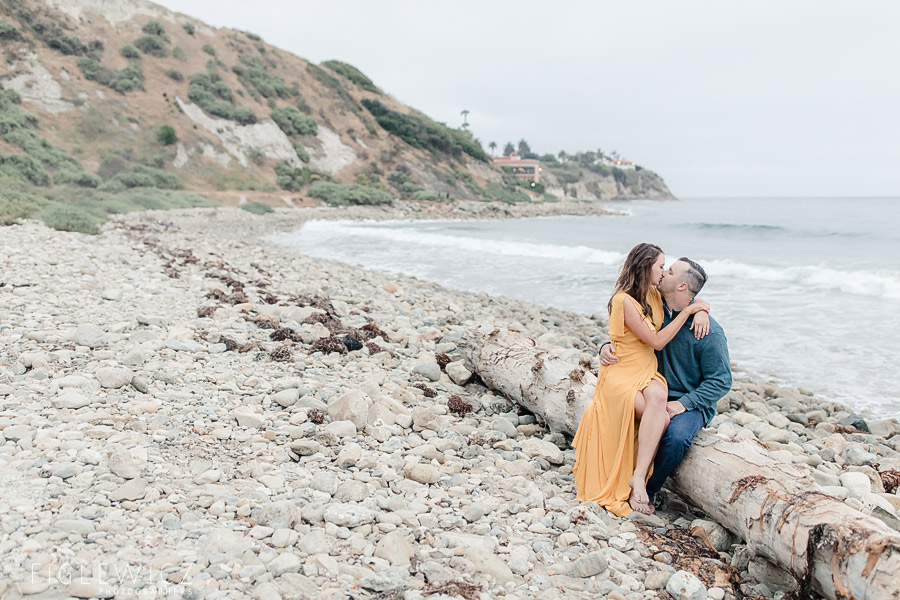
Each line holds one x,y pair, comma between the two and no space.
465,115
492,146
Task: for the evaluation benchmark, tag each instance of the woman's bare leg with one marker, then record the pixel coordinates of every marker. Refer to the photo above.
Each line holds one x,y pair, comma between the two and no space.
650,408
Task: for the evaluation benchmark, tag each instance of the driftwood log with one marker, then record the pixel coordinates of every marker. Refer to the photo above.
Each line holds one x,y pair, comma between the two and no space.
776,508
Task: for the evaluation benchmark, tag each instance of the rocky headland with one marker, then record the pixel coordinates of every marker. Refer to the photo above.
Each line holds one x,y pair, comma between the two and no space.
188,411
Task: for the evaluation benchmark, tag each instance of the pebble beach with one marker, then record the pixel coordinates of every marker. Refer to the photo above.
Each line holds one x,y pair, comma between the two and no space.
187,411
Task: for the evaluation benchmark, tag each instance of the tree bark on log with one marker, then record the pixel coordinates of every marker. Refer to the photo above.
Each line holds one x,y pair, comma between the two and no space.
776,508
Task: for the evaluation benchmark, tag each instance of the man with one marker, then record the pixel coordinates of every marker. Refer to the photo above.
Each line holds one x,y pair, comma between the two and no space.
698,371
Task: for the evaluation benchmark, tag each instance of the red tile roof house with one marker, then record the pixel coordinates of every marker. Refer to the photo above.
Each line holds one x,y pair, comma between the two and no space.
523,168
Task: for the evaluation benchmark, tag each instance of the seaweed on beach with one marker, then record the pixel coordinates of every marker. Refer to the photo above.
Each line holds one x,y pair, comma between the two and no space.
370,331
206,311
891,480
374,348
469,591
328,345
316,416
442,360
314,301
458,406
329,321
429,393
694,556
282,353
281,334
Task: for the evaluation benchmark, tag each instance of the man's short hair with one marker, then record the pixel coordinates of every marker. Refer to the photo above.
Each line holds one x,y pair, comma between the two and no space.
694,276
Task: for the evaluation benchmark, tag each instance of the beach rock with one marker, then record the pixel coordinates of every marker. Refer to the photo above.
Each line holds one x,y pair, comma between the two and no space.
247,417
134,489
656,580
458,372
855,454
390,579
423,473
72,399
429,370
394,548
315,542
348,515
287,397
122,463
686,586
719,536
550,452
771,575
855,421
284,563
282,514
589,565
114,377
350,406
490,564
856,483
90,335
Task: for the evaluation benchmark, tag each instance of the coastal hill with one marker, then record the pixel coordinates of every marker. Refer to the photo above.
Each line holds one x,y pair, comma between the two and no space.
112,97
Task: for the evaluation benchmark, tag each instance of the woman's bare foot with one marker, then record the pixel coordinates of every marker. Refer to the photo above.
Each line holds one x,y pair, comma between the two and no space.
639,499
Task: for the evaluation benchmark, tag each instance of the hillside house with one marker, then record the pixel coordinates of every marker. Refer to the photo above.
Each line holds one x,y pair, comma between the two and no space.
523,168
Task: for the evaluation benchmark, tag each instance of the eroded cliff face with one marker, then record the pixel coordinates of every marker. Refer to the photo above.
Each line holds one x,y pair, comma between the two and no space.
103,76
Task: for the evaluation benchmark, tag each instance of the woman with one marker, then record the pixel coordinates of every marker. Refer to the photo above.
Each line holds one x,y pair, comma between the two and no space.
611,467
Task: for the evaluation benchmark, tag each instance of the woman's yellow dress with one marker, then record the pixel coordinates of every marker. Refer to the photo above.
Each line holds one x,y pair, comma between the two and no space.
605,443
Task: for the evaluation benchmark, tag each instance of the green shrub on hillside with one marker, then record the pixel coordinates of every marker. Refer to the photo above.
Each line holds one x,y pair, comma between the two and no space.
23,168
352,73
8,33
210,93
257,208
130,78
71,218
426,195
155,28
500,193
17,201
301,151
143,176
290,177
152,45
209,49
175,75
89,67
342,194
129,51
254,76
421,132
178,53
165,135
293,122
189,28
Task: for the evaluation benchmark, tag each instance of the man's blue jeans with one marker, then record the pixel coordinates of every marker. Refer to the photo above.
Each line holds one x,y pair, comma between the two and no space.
674,443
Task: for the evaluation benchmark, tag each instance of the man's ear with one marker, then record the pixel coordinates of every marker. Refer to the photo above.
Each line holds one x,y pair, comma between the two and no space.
682,286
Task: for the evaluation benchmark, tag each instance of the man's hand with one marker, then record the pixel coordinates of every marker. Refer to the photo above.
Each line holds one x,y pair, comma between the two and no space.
674,408
700,325
608,355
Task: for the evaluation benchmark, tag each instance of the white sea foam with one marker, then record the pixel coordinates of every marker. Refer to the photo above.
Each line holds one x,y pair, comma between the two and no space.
464,243
885,284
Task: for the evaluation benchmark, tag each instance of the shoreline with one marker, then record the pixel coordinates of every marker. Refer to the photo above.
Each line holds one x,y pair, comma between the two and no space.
144,398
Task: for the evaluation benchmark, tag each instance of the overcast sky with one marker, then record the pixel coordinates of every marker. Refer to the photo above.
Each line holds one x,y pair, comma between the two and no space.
767,98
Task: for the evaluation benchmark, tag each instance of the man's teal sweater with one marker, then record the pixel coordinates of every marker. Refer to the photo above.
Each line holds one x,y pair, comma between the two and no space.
698,371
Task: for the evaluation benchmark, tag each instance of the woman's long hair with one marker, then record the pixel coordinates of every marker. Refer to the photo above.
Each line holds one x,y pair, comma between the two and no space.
634,278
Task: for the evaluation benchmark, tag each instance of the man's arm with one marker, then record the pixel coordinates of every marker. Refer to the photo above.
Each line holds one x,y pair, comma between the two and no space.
715,372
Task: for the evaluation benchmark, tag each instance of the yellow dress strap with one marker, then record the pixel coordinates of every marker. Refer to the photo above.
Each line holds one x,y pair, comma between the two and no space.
617,315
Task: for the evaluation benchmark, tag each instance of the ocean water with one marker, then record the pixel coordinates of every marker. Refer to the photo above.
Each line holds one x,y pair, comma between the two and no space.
807,289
